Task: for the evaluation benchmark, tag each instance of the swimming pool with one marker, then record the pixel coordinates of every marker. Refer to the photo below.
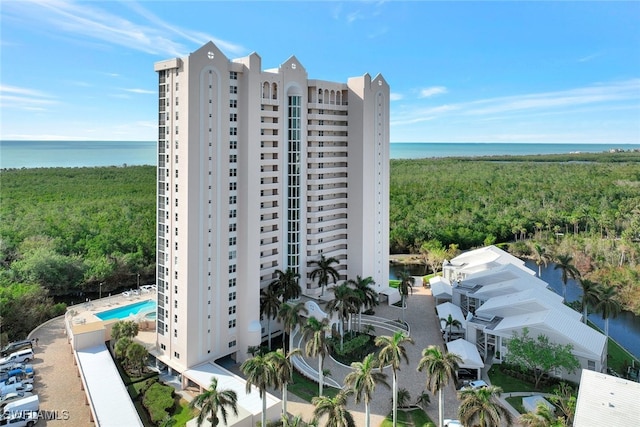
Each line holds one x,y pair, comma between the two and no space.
142,307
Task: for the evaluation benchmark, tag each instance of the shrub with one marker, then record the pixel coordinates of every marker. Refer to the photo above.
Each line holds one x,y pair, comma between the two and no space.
158,399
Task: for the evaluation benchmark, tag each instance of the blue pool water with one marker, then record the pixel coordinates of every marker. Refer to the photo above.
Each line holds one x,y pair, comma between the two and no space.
127,310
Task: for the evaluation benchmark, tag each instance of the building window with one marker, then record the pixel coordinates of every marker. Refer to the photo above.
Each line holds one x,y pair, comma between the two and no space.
233,186
233,158
232,269
232,309
176,355
591,365
232,227
175,333
232,296
233,131
233,103
232,343
232,255
233,75
233,145
232,323
176,100
232,241
177,86
233,89
233,200
232,282
233,117
233,213
233,172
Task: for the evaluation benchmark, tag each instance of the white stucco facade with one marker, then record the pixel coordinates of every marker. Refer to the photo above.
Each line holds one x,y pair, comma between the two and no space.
258,171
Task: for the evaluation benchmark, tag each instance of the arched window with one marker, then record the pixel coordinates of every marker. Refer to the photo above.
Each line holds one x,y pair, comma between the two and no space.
339,97
274,91
319,96
265,90
326,96
332,99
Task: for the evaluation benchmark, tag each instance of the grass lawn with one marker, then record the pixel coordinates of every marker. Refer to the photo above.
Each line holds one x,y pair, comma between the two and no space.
409,418
183,413
306,389
510,384
516,402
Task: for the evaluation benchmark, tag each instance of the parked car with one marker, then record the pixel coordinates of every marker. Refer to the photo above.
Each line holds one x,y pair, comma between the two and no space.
20,356
15,346
10,397
452,423
26,404
12,388
21,419
475,385
15,380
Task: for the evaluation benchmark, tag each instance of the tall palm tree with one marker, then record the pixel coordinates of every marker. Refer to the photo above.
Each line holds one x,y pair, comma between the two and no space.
269,306
564,263
212,401
440,369
315,336
590,296
324,271
541,256
393,352
405,287
450,322
291,316
344,302
259,372
367,296
608,306
283,371
481,407
287,284
362,380
335,408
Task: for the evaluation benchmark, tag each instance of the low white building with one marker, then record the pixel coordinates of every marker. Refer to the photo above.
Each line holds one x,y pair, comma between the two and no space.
499,297
604,400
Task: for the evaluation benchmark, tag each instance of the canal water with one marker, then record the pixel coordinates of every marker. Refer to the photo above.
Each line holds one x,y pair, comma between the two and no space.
625,328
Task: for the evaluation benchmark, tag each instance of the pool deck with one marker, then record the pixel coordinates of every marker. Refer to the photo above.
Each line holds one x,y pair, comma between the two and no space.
85,313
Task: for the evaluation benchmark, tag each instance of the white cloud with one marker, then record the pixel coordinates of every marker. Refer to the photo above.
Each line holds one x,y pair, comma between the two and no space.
432,91
24,98
142,91
394,96
87,19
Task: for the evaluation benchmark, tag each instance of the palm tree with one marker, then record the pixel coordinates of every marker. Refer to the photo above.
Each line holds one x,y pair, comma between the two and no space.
367,296
291,316
423,400
542,417
481,407
440,369
344,302
315,335
405,287
287,284
324,271
283,370
541,256
259,372
564,262
450,322
590,296
296,421
269,306
362,380
393,352
403,397
608,306
212,401
335,408
136,356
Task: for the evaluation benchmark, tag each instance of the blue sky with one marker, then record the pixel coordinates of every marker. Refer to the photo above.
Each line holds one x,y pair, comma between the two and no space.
459,71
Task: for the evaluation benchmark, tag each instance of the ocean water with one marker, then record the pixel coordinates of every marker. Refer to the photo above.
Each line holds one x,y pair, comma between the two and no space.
41,154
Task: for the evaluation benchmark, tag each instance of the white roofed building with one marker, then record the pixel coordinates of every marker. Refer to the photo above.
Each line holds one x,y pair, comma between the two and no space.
499,296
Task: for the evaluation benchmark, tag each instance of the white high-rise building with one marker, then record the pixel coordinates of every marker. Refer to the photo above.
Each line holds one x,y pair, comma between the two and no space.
260,170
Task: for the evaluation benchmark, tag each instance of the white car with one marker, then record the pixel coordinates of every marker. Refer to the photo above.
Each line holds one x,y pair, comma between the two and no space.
452,423
474,385
10,397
